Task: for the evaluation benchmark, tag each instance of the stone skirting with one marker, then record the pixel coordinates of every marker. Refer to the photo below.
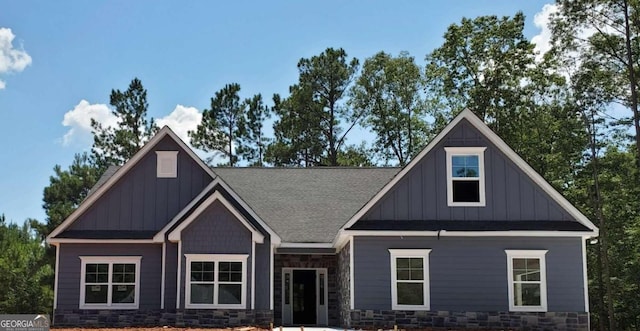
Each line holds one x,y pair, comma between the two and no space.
179,318
374,319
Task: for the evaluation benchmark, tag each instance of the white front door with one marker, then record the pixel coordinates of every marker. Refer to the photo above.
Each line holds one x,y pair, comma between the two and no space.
304,296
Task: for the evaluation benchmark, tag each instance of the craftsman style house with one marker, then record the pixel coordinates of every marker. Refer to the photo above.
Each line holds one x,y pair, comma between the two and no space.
466,235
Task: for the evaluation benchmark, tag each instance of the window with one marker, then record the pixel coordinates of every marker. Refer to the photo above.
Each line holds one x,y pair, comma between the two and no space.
167,164
216,281
465,176
410,279
110,282
527,280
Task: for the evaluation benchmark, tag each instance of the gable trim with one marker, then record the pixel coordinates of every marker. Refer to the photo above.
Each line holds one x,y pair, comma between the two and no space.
89,201
176,234
502,146
160,236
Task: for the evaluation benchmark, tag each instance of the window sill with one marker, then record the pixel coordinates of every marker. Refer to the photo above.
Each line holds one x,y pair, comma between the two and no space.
467,204
408,307
108,307
535,309
203,306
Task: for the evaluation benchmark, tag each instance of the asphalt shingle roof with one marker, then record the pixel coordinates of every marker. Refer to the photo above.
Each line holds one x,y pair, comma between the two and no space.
306,204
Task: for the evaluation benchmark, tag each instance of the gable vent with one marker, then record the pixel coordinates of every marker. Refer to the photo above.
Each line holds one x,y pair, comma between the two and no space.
167,164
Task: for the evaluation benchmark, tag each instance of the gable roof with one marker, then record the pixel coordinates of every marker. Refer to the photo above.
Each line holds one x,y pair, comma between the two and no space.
116,173
306,205
502,146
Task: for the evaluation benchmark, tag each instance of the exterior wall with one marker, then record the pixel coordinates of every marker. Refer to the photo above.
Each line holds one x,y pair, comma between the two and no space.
171,274
344,286
216,231
469,274
307,261
68,295
140,200
510,194
445,320
181,318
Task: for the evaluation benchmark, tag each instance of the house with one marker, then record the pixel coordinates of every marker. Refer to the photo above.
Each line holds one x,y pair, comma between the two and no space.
466,235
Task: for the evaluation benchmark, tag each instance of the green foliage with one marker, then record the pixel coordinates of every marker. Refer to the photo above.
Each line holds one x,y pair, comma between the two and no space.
24,274
388,94
221,126
116,145
487,65
309,130
254,142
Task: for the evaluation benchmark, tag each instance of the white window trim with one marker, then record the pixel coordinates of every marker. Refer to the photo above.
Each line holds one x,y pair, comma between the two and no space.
109,260
215,258
528,254
458,151
167,156
401,253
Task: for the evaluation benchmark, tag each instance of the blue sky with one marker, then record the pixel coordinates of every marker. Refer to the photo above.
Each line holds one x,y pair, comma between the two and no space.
67,56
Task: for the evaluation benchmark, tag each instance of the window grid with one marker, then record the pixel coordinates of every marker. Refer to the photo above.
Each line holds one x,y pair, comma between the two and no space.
218,281
527,280
465,176
109,282
410,279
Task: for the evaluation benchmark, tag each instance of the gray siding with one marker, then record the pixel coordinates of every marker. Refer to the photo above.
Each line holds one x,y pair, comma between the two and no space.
140,200
468,274
263,275
510,194
216,231
171,273
70,265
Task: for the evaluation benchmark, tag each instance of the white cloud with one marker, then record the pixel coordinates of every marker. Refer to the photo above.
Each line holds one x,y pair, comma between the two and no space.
79,121
11,59
182,120
541,20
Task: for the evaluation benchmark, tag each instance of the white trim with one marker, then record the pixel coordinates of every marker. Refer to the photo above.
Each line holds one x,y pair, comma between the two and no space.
55,276
178,280
216,258
163,157
271,276
90,200
466,151
305,245
394,254
444,233
162,279
585,278
159,237
98,241
352,290
176,234
253,275
110,260
527,253
502,146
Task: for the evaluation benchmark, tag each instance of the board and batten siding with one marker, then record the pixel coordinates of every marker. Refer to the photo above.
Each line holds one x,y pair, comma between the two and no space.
140,200
468,274
510,194
69,275
218,231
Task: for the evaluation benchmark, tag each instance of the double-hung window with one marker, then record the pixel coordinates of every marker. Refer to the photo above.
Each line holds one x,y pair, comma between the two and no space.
110,282
410,279
216,281
527,280
465,176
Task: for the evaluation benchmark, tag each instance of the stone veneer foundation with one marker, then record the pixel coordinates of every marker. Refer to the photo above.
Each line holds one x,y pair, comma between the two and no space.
180,318
374,319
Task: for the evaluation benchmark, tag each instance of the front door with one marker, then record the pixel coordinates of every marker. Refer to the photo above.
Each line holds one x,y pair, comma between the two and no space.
304,293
